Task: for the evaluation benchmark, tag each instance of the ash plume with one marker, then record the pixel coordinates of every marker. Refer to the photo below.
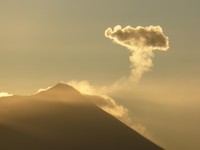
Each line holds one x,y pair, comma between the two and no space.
141,42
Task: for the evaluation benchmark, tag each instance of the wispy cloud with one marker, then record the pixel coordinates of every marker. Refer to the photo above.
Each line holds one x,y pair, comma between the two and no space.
109,105
5,94
43,89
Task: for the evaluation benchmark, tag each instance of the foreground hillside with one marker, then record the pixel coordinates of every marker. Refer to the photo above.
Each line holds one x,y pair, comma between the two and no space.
63,119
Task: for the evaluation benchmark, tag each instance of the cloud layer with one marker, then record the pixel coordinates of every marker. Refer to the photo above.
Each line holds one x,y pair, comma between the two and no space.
140,41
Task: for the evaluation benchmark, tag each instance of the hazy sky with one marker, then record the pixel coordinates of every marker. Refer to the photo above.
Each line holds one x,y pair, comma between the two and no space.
43,42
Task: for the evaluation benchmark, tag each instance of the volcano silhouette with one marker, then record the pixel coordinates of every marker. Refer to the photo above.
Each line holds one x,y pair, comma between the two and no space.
61,118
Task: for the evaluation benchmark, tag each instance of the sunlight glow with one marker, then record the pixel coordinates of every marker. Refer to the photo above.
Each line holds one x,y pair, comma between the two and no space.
4,94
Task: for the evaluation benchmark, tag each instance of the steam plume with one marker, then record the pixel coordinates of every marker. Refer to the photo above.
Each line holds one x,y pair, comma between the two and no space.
141,41
109,105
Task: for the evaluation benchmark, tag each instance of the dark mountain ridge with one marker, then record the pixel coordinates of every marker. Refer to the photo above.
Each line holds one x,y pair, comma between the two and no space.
62,118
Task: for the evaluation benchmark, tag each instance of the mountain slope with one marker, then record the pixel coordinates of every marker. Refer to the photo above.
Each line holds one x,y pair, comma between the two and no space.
61,118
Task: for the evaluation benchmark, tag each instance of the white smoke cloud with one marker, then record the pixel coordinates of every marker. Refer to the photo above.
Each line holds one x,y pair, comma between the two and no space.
140,41
5,94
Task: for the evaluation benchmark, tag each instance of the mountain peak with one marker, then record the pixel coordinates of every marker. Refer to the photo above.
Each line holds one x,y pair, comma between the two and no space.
62,92
63,119
61,86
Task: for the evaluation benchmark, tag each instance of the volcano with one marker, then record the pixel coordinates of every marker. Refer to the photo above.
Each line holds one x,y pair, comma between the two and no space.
61,118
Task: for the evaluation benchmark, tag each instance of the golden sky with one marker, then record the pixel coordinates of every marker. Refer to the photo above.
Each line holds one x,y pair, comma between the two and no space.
43,42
